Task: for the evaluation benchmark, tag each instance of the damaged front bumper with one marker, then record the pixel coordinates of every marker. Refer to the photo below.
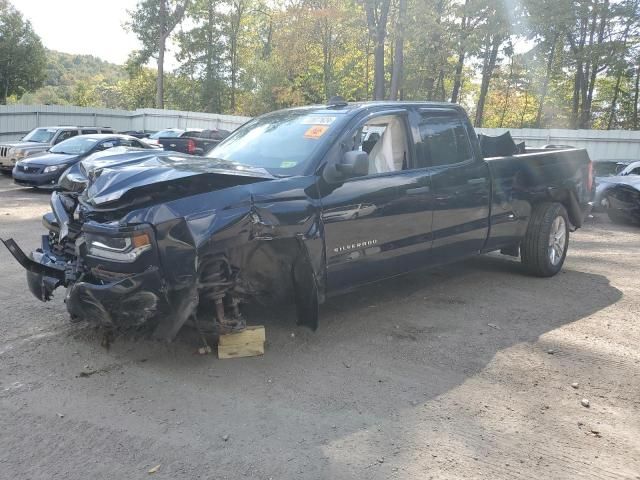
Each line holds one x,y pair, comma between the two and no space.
125,302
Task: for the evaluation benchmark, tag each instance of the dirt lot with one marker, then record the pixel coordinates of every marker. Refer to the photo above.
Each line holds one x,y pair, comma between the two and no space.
460,372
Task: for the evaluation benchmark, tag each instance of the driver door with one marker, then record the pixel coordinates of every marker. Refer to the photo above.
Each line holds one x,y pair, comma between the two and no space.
378,225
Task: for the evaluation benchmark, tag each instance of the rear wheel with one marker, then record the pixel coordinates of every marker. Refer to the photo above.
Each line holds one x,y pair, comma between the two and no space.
545,244
617,217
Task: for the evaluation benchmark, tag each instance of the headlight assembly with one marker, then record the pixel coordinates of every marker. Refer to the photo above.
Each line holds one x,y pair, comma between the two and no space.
53,168
18,154
120,247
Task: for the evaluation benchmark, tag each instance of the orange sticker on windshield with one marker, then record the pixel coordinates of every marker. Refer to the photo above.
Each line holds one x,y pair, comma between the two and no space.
316,131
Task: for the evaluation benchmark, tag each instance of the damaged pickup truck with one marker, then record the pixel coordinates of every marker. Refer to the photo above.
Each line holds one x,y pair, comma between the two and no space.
297,205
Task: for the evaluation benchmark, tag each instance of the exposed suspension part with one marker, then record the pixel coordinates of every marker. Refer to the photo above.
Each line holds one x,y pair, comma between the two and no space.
216,287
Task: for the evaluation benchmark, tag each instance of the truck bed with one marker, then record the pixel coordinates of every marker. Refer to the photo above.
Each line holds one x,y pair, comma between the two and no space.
518,181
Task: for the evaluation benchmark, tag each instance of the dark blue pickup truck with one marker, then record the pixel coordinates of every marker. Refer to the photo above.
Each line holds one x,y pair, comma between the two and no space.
298,205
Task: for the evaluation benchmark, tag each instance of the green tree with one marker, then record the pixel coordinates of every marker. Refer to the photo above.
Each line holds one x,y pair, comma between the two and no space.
22,56
153,21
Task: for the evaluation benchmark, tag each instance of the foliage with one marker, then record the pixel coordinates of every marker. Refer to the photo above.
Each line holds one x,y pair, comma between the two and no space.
21,54
526,63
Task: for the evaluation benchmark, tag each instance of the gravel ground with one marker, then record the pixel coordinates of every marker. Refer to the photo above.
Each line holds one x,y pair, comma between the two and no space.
459,372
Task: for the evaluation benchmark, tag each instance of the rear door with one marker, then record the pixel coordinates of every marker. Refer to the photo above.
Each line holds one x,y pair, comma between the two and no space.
460,182
378,225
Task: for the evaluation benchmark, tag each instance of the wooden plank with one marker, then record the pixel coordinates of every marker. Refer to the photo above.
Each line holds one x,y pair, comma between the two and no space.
252,334
238,351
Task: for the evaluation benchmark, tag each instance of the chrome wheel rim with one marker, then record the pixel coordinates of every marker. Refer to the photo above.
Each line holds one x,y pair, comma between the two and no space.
557,240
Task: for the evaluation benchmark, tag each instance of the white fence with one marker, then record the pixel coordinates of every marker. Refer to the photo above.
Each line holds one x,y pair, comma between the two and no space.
601,144
17,120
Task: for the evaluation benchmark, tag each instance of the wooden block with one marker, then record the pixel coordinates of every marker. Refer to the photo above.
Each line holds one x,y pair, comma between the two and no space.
252,334
236,351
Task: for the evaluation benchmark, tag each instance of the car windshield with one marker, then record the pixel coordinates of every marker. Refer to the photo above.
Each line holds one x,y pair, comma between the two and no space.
40,135
75,145
282,143
166,134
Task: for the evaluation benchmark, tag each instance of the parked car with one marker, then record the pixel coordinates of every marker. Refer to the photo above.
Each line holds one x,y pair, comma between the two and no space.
609,173
154,138
157,238
44,170
621,200
39,140
199,144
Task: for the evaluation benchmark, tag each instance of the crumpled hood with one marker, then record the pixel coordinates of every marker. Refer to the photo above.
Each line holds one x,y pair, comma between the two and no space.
138,173
631,180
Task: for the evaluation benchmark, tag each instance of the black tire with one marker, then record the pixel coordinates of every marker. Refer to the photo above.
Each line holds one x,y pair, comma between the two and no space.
617,217
6,172
536,254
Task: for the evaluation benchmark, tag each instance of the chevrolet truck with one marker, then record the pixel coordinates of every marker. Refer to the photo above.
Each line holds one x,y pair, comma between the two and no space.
297,205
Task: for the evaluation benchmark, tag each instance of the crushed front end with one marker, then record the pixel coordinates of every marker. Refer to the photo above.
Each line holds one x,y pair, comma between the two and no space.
111,272
114,271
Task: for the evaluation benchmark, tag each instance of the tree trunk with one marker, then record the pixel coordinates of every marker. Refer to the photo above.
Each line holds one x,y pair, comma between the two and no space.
327,60
577,85
489,64
505,104
162,39
236,22
524,108
398,56
5,92
378,69
462,52
636,96
594,66
614,101
366,69
457,82
377,22
545,83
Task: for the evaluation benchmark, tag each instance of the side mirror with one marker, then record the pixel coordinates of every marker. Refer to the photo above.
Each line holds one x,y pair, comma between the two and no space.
353,164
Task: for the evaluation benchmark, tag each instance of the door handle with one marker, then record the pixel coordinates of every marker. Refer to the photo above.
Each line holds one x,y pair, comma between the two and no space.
418,191
476,181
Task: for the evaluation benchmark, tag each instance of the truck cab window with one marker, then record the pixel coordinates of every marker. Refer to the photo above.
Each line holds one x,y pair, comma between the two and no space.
444,140
384,139
65,134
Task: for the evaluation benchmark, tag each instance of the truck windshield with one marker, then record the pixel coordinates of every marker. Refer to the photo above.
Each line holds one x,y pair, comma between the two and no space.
40,135
283,143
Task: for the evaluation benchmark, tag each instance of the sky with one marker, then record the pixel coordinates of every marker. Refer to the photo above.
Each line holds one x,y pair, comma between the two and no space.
91,27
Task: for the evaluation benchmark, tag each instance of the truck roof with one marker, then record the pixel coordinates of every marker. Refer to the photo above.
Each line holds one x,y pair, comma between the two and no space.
354,107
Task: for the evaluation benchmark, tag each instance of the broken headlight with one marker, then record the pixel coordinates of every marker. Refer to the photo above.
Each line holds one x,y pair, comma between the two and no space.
120,247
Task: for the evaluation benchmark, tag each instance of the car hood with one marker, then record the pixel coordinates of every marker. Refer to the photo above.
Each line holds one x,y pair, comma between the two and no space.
631,180
26,145
136,177
50,159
